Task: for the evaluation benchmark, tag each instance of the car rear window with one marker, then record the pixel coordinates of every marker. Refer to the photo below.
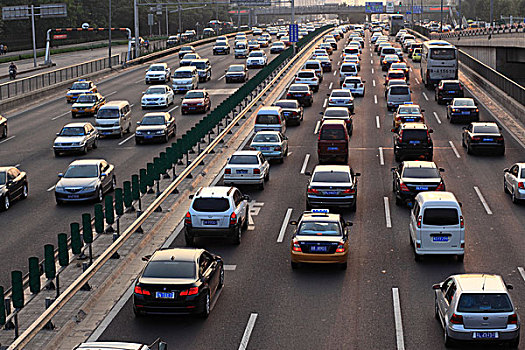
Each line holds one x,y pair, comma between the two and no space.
440,216
170,269
486,129
336,113
311,66
523,173
306,74
443,54
244,159
489,302
267,119
266,138
421,173
328,176
388,50
348,68
414,135
451,86
211,204
287,104
399,90
342,93
332,134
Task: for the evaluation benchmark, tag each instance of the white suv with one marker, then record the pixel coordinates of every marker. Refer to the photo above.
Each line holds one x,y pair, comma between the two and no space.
216,211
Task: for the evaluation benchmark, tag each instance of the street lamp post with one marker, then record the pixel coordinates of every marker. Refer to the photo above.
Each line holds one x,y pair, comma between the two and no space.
136,20
293,20
491,11
109,36
441,20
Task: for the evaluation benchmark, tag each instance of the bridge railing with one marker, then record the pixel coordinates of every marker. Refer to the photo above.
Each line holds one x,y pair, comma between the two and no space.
478,32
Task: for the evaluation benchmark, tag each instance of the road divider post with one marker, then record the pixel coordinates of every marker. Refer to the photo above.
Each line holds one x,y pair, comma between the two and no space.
34,275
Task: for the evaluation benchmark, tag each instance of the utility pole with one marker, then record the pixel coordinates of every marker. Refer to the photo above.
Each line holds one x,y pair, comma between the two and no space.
491,11
180,21
167,23
109,36
136,19
441,21
293,21
33,30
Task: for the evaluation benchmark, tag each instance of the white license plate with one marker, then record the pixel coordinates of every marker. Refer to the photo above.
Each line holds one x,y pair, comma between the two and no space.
165,295
485,335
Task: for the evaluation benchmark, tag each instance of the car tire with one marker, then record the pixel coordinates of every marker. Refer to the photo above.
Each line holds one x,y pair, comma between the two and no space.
460,257
137,313
237,235
5,203
221,277
25,191
267,176
397,158
343,266
399,202
57,154
448,342
417,257
245,223
308,206
113,184
205,306
261,186
95,144
190,240
137,141
85,150
436,310
505,190
100,196
353,207
4,133
513,344
294,265
513,197
281,160
166,138
469,150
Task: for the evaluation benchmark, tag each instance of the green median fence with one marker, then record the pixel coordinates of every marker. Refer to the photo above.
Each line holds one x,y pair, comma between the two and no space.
157,166
76,239
128,196
150,174
99,218
119,201
109,210
143,183
17,289
49,261
63,252
34,275
87,230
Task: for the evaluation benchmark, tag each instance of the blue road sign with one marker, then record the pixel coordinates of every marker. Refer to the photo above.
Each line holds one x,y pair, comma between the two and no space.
374,7
294,33
417,9
408,12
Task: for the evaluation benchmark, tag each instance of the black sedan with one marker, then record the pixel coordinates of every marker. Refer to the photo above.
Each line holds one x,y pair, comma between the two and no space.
447,90
412,177
301,93
462,109
292,111
3,127
483,136
157,126
178,281
13,185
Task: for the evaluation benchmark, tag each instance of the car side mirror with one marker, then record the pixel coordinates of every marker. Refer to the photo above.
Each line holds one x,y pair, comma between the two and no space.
349,223
464,128
58,134
294,223
510,287
60,175
357,174
436,286
320,113
410,205
393,169
431,131
393,130
191,196
307,173
138,123
246,197
506,170
328,95
163,346
146,258
460,204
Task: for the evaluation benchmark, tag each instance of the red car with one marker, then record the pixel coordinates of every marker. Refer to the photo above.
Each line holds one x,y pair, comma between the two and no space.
196,101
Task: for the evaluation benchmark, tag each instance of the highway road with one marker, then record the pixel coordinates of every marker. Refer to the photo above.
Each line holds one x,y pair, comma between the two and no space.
36,221
322,307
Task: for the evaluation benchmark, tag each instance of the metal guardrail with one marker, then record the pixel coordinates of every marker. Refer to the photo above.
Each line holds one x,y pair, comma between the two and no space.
509,86
42,80
62,300
481,32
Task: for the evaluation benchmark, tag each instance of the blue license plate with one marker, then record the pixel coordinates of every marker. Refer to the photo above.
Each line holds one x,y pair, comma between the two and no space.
298,95
192,107
409,119
165,295
439,238
421,188
485,335
489,140
331,192
265,148
148,136
465,112
242,171
209,222
333,148
318,248
451,92
415,142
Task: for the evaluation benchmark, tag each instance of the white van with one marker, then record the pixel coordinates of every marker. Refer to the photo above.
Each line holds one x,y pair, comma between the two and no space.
436,225
185,79
270,119
113,118
240,49
348,69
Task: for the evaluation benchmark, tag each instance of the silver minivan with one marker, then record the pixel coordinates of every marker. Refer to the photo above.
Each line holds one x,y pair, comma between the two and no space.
113,118
436,225
270,119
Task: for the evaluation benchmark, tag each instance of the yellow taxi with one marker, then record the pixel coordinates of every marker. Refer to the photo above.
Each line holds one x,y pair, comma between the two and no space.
408,113
87,104
416,55
78,88
320,237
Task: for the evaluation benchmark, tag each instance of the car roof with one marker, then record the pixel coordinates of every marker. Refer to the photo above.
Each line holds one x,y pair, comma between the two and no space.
86,161
484,124
475,283
331,168
341,90
76,125
158,64
311,216
150,114
462,99
198,90
186,68
440,196
110,346
267,132
300,84
246,153
307,70
200,60
336,109
273,109
333,122
5,168
214,191
179,254
419,164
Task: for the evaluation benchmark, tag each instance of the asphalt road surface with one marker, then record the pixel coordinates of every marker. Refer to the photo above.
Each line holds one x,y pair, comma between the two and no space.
321,307
36,221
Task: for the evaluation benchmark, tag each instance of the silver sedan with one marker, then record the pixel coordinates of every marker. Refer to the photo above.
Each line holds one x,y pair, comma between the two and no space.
514,182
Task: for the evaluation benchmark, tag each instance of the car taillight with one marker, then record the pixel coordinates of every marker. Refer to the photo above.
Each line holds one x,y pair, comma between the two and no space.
228,171
360,85
191,291
141,291
344,85
288,95
253,149
278,148
233,218
187,218
403,187
475,138
313,191
419,221
456,319
349,191
330,100
461,222
521,185
257,171
340,247
512,319
296,247
441,187
499,138
476,110
308,94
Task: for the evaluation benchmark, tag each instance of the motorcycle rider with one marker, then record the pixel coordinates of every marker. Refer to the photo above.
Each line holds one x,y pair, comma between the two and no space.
12,70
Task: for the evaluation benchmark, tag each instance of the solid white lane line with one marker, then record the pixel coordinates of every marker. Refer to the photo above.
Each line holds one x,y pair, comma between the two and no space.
375,99
483,201
51,188
381,158
522,272
174,108
7,139
111,93
454,149
126,140
387,213
284,225
317,125
398,321
374,82
378,123
248,332
331,84
417,81
230,267
425,96
305,163
437,117
60,116
222,76
324,103
373,71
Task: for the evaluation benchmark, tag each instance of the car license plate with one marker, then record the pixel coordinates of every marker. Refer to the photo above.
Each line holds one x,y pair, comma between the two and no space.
489,140
421,188
451,92
415,142
318,248
209,222
148,136
298,95
465,112
409,119
265,148
439,238
242,171
485,335
165,295
333,148
331,192
191,107
73,196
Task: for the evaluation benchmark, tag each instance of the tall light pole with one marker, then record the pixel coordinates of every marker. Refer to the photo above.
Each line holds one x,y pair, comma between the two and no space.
136,20
293,20
441,21
109,36
491,11
167,23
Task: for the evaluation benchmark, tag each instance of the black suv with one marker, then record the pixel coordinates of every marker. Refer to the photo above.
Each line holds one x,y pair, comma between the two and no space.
447,90
412,177
413,141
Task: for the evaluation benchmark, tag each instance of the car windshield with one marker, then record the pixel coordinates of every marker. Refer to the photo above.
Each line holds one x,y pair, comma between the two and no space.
464,103
156,69
331,176
319,228
341,93
348,68
155,91
332,134
256,54
421,173
489,302
399,90
185,74
244,159
408,110
440,216
306,75
80,86
236,69
336,112
170,269
199,65
86,98
486,129
266,138
2,178
211,204
298,88
153,120
72,131
396,75
107,113
81,171
194,94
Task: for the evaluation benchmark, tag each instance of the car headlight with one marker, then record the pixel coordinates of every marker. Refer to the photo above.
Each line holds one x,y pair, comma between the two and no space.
160,132
89,188
138,132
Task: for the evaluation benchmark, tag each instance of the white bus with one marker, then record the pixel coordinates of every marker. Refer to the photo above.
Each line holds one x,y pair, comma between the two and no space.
439,61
